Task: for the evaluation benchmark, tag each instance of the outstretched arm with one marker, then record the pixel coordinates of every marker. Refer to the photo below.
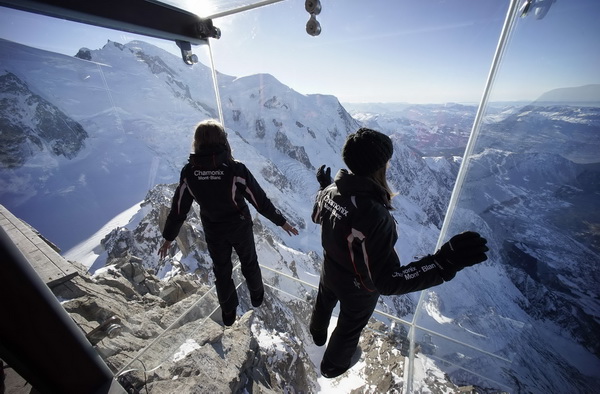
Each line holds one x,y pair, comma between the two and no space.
180,206
254,194
462,250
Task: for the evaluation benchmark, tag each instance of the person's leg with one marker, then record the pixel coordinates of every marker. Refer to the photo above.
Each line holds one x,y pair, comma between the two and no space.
321,314
355,312
220,254
242,239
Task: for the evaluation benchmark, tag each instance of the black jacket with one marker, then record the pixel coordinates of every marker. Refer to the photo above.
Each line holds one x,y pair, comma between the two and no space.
358,234
221,187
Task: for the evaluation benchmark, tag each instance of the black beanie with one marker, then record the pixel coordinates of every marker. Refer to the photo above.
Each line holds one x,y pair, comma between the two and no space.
366,151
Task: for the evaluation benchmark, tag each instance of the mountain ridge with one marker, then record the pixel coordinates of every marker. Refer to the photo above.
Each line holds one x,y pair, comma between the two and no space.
135,148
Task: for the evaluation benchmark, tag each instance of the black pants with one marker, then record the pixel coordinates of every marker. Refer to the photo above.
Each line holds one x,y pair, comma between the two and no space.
356,307
221,239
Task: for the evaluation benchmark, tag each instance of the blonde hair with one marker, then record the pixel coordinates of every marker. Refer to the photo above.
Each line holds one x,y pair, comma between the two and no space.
379,177
210,133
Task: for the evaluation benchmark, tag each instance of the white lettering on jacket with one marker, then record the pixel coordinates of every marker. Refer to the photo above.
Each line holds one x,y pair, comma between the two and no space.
408,273
212,175
412,273
335,209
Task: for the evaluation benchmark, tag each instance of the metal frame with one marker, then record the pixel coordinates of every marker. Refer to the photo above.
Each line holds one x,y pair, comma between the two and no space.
39,339
143,17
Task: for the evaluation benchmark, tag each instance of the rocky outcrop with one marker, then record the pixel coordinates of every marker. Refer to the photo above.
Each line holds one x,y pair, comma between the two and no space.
224,360
194,353
29,124
166,335
283,144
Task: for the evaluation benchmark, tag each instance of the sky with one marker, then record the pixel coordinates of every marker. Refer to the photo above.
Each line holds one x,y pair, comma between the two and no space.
431,51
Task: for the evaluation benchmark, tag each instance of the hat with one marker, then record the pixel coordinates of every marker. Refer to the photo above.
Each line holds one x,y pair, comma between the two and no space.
366,151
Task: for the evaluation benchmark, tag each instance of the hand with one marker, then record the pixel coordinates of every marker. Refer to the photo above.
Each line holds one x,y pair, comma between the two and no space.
164,249
462,250
324,176
291,230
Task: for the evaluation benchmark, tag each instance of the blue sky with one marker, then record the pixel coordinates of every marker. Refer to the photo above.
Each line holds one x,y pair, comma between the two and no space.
380,51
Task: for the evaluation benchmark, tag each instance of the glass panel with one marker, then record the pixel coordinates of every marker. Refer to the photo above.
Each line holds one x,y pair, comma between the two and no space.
461,362
530,187
523,321
68,107
93,87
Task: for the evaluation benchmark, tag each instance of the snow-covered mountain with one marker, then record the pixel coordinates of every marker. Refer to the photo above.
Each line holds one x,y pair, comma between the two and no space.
138,106
568,131
53,131
129,111
532,189
433,129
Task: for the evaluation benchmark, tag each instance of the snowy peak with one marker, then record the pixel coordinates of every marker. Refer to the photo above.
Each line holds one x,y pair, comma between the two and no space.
571,131
283,135
434,129
280,121
139,58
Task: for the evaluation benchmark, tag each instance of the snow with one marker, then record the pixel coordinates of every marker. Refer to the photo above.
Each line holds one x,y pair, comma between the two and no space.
348,381
135,144
437,316
90,252
351,380
436,163
188,346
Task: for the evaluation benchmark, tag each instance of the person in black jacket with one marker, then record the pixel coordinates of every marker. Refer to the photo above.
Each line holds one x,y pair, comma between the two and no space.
358,235
221,186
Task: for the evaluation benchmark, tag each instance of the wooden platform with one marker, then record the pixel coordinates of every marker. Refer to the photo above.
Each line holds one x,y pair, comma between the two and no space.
47,262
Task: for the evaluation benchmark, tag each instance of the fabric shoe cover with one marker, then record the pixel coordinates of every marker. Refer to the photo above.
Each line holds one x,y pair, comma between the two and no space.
228,317
330,371
258,299
319,336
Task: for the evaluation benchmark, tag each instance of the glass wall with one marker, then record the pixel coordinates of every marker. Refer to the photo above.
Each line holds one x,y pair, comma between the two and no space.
494,112
527,183
111,93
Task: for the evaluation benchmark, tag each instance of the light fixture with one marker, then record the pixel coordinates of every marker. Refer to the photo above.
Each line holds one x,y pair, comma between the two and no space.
313,7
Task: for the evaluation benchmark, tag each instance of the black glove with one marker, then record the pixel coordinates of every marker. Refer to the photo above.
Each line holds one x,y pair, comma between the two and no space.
463,250
324,176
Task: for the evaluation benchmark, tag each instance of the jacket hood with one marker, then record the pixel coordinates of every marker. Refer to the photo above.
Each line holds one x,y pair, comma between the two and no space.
209,157
348,183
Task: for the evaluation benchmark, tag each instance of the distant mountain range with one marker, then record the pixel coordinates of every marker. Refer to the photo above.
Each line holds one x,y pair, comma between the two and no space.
587,95
85,138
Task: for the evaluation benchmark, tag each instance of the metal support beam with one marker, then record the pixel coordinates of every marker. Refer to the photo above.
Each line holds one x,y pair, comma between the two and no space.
38,338
142,17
